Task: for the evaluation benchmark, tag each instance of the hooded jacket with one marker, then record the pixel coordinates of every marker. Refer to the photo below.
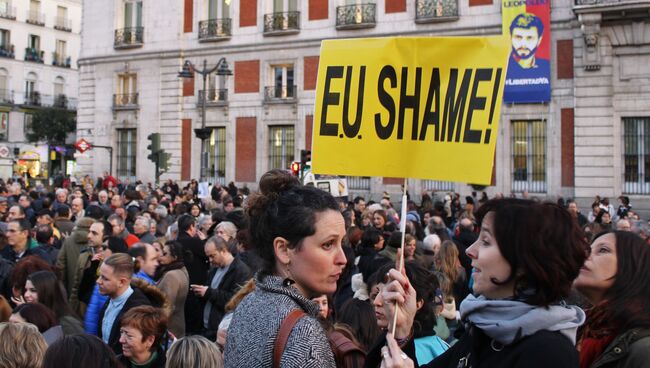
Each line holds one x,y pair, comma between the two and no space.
631,349
68,257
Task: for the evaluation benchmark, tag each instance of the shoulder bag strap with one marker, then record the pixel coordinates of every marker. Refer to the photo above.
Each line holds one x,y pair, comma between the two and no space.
283,335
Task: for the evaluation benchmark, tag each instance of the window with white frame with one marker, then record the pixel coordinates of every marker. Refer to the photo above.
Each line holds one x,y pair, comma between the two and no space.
218,9
636,155
34,42
281,146
283,82
5,39
60,53
284,5
32,96
132,13
4,125
60,100
126,153
59,83
28,123
217,156
62,18
126,90
528,138
4,85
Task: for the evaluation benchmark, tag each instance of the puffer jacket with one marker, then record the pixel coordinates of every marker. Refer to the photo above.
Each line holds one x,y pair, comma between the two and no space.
69,254
257,320
91,318
628,350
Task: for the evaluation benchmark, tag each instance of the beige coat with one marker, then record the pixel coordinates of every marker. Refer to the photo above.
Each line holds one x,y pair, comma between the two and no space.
175,284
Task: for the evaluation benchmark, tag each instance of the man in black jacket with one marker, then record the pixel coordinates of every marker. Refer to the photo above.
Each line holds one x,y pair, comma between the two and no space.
197,268
115,282
224,280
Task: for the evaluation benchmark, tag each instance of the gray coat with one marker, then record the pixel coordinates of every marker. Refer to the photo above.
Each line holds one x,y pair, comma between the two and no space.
255,325
628,350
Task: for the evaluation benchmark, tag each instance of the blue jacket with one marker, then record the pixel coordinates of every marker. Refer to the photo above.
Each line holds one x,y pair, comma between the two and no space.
91,319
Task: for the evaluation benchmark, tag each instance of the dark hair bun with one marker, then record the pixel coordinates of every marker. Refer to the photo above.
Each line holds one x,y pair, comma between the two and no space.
272,184
277,181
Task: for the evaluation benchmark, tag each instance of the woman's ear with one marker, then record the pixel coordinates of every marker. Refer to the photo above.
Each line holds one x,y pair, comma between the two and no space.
419,304
148,341
281,249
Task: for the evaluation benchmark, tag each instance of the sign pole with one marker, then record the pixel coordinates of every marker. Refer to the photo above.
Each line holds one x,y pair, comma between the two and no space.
400,257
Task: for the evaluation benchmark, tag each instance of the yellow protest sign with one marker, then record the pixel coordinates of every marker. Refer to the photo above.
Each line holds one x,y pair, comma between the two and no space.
409,107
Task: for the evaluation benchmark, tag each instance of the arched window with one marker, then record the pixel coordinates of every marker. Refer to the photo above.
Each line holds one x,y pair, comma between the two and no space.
59,86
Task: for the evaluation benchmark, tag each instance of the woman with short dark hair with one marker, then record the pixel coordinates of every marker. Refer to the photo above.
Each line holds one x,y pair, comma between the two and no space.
525,260
616,281
142,332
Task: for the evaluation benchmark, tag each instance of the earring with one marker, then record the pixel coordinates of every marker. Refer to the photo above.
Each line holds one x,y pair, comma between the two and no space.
288,281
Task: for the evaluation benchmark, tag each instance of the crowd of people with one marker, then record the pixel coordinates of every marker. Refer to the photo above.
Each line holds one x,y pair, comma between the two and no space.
103,273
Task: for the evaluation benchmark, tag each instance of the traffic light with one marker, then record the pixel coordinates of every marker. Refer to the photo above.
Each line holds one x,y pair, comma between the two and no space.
305,156
154,146
295,168
163,161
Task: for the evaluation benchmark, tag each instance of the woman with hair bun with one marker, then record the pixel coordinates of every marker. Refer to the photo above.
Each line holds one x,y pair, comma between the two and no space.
297,231
525,260
616,280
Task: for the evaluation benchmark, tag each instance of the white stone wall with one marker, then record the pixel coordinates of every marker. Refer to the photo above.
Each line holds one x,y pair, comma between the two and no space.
600,98
18,69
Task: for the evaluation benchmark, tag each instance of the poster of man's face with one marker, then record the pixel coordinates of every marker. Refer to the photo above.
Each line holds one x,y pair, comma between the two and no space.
526,32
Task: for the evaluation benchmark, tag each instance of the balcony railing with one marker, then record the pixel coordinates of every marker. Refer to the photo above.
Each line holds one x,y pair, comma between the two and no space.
279,94
60,101
8,13
33,98
214,97
125,101
7,51
215,29
32,54
63,24
36,18
6,96
356,16
281,23
61,60
431,11
127,38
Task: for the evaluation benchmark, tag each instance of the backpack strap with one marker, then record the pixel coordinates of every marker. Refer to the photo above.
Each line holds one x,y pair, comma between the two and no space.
283,335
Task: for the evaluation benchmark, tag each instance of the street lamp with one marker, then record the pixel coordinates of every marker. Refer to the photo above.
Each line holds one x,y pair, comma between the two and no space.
203,133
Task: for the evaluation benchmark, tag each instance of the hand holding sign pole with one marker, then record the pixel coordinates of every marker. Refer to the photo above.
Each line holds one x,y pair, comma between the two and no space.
430,105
